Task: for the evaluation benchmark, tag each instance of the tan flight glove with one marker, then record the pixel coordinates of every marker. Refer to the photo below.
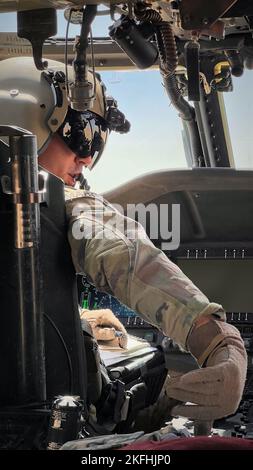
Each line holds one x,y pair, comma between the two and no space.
106,327
216,389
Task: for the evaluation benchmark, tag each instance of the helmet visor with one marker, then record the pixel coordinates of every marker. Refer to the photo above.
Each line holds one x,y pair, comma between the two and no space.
85,134
96,131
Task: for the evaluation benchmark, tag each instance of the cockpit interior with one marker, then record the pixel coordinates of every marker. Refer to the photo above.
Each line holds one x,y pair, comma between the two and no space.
199,47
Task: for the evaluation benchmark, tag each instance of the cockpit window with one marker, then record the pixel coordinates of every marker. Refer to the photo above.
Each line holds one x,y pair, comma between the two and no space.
239,108
155,139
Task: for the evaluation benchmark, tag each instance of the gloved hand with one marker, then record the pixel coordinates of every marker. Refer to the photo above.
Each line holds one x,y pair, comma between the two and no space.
106,327
216,389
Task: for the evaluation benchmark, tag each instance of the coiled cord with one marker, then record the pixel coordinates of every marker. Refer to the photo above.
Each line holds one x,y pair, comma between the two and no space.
166,43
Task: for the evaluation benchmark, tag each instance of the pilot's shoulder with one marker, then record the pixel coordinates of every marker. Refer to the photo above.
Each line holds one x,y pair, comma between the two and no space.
72,193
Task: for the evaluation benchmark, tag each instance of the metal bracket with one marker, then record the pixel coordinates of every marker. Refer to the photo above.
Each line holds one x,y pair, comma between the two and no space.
202,14
19,198
10,131
192,63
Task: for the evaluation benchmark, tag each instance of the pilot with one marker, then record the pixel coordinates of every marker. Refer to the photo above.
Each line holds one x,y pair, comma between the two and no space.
115,253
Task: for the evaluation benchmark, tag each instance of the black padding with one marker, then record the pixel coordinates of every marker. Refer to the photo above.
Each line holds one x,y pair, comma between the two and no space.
64,347
65,355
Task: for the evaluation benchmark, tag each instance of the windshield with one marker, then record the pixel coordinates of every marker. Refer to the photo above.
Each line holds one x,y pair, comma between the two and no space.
155,139
239,108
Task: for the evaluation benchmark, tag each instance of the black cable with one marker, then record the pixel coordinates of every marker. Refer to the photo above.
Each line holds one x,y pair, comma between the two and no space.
66,53
93,65
89,14
167,49
187,113
80,59
66,351
143,14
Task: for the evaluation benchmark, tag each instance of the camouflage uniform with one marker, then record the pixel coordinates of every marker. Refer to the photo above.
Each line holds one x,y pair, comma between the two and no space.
105,247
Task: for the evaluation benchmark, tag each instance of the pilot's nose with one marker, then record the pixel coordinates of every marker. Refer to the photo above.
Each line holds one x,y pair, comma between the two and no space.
84,161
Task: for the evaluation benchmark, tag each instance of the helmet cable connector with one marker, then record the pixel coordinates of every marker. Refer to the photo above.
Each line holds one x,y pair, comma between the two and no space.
82,92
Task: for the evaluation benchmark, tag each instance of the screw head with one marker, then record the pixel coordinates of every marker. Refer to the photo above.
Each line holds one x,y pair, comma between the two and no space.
14,92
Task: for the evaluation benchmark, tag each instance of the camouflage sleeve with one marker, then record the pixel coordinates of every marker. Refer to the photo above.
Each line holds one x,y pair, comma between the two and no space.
118,257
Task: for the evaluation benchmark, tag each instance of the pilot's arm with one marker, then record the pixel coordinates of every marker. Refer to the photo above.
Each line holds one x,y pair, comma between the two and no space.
119,258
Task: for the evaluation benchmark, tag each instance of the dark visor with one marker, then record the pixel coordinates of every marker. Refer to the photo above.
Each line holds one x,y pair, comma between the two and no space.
85,134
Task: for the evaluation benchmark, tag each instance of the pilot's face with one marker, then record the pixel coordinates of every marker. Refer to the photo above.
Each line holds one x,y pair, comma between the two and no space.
62,162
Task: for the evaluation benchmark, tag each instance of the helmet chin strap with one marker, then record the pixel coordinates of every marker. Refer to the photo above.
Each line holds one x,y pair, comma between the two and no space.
83,183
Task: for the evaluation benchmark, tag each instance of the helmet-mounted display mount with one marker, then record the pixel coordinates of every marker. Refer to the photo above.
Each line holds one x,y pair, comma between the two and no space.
40,24
81,91
115,119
